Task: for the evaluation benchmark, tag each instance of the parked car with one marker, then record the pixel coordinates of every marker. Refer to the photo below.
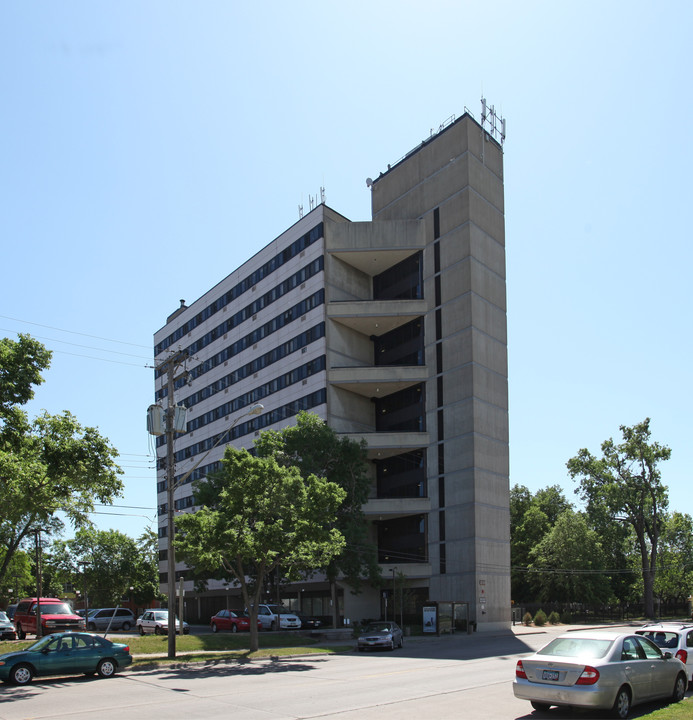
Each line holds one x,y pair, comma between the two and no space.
268,614
677,637
233,620
7,631
385,634
309,622
599,670
64,654
115,618
156,622
56,616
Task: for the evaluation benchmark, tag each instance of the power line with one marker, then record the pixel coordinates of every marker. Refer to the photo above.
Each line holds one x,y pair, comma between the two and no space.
88,347
74,332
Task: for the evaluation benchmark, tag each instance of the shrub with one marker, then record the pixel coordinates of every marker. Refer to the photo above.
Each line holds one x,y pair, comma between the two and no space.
540,618
554,618
527,619
566,618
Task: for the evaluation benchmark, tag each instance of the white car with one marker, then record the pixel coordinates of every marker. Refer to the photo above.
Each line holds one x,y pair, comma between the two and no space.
156,622
676,637
268,614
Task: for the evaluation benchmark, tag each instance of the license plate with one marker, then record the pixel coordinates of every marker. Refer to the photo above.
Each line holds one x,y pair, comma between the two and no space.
549,675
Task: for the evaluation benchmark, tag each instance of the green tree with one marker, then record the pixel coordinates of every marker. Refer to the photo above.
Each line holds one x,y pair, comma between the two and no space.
105,564
19,579
626,483
674,580
568,563
531,518
258,515
315,449
49,465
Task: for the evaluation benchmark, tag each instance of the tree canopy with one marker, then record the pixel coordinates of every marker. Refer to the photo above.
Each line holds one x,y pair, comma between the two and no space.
625,485
49,465
106,564
258,515
315,448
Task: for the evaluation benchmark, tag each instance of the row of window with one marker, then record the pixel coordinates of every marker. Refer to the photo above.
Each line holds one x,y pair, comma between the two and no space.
307,402
244,285
277,323
275,355
254,396
271,296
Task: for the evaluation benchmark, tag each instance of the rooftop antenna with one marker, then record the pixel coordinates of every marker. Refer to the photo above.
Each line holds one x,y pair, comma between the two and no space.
493,123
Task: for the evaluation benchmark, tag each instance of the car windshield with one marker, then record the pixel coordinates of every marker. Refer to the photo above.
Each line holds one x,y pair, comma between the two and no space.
279,610
40,644
3,616
379,627
54,609
577,647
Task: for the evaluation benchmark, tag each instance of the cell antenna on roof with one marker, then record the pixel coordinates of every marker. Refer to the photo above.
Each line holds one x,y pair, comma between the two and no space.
490,120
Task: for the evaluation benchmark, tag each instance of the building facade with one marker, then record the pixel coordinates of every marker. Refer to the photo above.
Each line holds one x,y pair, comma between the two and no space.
392,331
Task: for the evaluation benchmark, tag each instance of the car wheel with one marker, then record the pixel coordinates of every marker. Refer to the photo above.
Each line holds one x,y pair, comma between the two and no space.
91,626
621,706
540,706
21,674
234,628
680,687
158,630
141,630
106,668
126,626
215,628
20,633
273,625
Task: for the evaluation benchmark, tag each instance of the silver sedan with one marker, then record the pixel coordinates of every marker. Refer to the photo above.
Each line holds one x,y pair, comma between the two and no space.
381,634
599,670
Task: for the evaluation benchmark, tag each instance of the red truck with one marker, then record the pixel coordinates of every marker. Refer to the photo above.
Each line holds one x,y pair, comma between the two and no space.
56,616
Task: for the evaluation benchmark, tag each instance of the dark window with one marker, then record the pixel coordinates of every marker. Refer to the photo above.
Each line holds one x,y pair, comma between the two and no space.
402,476
403,411
402,540
400,282
402,346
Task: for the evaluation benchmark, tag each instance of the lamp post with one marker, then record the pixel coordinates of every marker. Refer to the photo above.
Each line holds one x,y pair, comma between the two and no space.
171,485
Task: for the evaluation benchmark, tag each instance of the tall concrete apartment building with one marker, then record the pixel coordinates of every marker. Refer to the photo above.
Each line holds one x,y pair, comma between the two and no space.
394,331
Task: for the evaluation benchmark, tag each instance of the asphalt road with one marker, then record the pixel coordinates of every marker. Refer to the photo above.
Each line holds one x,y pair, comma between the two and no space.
461,677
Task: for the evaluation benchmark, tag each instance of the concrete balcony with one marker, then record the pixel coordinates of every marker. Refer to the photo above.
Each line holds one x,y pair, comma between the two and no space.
381,508
375,317
376,382
381,445
373,247
409,570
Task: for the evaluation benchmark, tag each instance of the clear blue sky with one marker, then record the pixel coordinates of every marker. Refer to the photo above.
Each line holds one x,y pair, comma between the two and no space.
149,148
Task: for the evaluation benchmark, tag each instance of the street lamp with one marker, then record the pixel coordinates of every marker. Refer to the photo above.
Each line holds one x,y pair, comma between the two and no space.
171,486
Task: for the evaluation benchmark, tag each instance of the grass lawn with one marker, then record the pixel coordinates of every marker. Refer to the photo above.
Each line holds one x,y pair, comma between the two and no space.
675,711
199,648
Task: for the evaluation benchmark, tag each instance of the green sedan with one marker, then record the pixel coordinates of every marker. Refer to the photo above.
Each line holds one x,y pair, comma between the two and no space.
67,653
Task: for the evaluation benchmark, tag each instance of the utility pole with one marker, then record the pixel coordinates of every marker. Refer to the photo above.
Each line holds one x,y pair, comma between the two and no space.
39,585
169,366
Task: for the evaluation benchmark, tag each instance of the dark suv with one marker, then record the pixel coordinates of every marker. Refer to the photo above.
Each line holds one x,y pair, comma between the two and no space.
56,616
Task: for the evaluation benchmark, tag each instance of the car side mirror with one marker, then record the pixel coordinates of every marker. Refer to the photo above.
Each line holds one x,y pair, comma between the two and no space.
667,655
